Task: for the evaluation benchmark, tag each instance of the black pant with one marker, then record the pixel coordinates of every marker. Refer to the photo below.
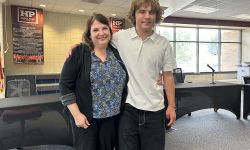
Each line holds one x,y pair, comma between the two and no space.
141,130
100,135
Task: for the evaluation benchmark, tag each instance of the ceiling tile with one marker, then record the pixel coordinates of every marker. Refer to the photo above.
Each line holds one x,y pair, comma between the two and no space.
227,8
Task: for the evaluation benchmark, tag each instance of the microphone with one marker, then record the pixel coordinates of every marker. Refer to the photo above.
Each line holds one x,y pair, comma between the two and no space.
210,67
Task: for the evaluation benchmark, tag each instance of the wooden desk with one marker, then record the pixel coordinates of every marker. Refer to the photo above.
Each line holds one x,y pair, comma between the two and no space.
36,100
221,95
246,101
51,127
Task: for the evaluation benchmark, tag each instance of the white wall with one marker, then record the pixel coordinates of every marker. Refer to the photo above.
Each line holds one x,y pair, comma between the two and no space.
208,77
246,45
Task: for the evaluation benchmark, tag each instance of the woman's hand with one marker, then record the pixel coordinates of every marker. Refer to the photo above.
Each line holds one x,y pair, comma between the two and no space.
81,121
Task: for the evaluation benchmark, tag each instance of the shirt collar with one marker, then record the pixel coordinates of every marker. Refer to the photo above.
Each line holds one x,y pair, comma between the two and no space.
109,55
133,34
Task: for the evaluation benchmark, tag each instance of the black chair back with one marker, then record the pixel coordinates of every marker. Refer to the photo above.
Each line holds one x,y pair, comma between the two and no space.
246,79
178,75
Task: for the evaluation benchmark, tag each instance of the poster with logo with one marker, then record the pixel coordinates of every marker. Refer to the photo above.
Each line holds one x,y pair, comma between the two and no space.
27,29
117,24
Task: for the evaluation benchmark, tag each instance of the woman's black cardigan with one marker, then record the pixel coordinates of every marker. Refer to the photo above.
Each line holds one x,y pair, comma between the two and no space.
75,83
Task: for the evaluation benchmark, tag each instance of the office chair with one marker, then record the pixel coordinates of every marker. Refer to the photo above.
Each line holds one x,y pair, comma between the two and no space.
19,87
179,78
178,75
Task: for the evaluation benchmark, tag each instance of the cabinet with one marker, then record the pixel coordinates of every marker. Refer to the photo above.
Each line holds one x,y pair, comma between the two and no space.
37,84
243,71
47,83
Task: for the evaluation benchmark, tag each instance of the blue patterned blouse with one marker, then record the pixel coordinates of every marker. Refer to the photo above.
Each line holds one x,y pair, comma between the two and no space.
107,83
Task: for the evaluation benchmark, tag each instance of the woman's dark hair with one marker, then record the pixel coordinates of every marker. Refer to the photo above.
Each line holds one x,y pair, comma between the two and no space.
100,18
155,6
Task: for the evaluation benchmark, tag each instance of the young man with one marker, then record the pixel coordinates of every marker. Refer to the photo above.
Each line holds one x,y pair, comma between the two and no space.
145,55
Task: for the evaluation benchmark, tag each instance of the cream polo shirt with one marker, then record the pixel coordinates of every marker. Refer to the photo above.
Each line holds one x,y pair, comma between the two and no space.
144,61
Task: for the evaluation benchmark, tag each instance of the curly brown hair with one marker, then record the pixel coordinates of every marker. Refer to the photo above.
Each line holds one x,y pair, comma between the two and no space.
86,35
136,4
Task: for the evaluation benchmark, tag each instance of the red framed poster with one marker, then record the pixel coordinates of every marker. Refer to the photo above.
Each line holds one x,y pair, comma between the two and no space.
27,29
117,24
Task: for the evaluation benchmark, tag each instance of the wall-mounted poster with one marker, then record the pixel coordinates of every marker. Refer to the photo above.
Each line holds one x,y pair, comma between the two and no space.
117,24
27,29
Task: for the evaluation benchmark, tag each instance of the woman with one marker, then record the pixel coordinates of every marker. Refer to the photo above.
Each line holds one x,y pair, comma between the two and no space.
93,86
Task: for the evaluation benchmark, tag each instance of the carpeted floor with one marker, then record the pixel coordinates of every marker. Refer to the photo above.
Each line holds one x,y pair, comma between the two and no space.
207,130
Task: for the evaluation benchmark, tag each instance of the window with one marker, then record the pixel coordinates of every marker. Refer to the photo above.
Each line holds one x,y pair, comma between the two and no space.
208,49
186,56
186,48
230,36
208,35
208,54
230,48
196,47
229,55
167,32
185,34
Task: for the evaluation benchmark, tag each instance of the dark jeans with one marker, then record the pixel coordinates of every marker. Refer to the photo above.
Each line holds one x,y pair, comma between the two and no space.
141,130
100,135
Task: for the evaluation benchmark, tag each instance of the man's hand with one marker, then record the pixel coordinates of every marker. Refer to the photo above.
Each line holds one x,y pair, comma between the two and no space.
69,51
170,92
171,115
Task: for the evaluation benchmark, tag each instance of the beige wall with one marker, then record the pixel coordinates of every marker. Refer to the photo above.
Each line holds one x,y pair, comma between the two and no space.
60,32
2,94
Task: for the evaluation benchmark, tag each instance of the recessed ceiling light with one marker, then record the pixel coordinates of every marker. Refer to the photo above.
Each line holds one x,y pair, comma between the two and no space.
242,16
42,5
113,14
201,9
81,10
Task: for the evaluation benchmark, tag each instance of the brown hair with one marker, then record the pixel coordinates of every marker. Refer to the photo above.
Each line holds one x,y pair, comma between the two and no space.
136,4
86,35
